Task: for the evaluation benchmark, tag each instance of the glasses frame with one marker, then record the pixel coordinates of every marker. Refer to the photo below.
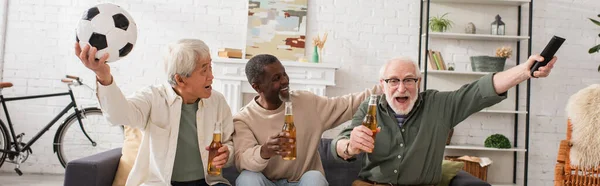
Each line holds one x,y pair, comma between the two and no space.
407,82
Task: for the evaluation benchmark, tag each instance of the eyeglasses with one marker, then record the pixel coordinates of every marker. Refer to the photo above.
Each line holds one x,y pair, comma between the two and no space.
408,82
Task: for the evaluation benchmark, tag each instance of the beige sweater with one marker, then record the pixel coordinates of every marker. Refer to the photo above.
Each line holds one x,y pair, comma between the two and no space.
312,115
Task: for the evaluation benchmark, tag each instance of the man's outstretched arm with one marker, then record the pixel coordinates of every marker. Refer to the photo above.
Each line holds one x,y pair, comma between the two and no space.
509,78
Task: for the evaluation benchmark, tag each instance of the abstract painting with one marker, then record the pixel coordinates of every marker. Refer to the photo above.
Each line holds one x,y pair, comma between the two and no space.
276,27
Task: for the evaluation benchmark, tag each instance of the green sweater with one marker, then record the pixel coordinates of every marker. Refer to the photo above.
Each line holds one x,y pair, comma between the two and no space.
413,154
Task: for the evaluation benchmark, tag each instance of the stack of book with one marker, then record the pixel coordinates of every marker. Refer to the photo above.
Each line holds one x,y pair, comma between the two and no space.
436,62
230,53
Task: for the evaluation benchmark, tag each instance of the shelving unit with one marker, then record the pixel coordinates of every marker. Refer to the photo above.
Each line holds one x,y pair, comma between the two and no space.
503,184
517,38
455,72
487,2
473,147
504,111
475,36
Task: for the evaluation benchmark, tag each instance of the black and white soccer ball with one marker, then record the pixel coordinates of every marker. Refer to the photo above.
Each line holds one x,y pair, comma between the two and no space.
109,28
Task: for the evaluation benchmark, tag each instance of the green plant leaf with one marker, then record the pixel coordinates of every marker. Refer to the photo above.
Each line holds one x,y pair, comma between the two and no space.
440,23
595,22
497,141
594,49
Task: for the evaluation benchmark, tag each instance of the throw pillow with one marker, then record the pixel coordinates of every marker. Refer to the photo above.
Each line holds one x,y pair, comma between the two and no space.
449,170
133,138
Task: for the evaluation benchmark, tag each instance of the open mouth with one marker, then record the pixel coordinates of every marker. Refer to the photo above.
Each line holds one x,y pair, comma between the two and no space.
401,99
285,90
208,87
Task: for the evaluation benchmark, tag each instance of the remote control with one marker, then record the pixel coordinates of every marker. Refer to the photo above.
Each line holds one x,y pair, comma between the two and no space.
548,53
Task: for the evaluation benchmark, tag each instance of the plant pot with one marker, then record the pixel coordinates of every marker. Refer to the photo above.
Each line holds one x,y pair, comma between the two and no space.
487,63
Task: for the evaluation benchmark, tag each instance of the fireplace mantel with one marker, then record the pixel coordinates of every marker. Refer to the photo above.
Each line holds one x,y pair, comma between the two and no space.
230,78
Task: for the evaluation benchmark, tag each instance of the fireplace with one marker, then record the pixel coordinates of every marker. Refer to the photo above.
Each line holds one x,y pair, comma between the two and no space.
231,80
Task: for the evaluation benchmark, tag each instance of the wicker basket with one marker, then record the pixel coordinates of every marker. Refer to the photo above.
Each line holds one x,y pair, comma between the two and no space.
472,168
487,63
566,174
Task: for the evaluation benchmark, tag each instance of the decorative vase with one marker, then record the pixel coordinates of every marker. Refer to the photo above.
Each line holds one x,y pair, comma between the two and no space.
315,56
320,55
451,66
487,63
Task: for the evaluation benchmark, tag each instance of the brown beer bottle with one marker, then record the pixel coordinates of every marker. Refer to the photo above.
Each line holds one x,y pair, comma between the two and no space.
289,127
213,151
370,120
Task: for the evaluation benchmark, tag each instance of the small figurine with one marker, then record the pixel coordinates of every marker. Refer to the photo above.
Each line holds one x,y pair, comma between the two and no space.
470,28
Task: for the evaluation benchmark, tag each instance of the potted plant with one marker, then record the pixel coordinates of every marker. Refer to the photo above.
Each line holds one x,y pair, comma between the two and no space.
440,23
491,63
497,141
597,47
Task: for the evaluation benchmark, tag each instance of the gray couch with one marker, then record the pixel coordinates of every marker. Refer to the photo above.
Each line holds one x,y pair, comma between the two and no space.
99,170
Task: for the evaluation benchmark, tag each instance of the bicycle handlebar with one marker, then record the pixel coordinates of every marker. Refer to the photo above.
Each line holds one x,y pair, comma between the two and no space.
5,84
74,81
73,77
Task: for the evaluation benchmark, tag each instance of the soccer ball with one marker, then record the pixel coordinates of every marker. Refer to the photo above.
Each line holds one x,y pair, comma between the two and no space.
109,28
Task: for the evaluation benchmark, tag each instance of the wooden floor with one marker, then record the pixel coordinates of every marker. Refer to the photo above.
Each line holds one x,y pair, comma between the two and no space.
13,179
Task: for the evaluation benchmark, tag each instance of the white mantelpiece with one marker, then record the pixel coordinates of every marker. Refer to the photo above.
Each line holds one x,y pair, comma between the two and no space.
230,78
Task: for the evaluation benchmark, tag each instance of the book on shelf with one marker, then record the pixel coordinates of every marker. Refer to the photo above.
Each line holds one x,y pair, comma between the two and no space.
436,62
432,64
440,60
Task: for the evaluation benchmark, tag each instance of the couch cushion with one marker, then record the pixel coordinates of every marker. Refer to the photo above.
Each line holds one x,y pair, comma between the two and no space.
337,172
98,169
449,170
464,178
133,137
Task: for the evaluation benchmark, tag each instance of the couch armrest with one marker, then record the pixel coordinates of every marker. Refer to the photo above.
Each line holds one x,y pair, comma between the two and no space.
95,170
338,172
464,178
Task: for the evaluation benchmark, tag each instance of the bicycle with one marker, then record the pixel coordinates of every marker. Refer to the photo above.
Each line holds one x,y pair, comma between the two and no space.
78,127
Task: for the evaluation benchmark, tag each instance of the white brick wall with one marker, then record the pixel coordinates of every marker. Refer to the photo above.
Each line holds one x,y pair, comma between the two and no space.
40,38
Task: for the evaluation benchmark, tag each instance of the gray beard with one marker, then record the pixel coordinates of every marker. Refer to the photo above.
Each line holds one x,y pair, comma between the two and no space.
400,111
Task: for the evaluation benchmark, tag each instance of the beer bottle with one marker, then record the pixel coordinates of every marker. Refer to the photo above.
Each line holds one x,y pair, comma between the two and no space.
213,150
370,120
289,127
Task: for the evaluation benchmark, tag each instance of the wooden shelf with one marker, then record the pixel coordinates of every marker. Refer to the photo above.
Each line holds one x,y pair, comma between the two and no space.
455,72
503,184
485,2
485,37
503,111
482,148
284,63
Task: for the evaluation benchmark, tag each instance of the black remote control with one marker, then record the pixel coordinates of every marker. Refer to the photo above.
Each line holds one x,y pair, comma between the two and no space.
548,53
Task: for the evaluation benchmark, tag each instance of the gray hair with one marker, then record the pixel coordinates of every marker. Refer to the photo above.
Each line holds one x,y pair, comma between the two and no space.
182,56
399,60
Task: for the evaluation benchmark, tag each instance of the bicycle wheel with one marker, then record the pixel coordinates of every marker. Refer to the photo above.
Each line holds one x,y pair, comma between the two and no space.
4,143
95,135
